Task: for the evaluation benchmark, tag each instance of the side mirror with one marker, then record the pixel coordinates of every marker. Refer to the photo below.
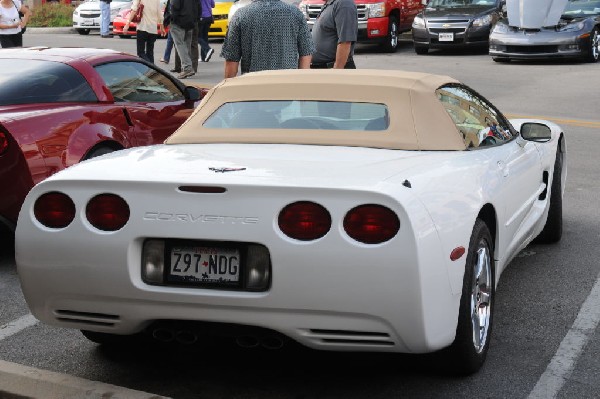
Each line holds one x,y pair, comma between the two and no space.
192,93
536,132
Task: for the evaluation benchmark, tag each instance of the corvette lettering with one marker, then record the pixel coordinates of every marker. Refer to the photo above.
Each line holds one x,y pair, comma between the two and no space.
192,218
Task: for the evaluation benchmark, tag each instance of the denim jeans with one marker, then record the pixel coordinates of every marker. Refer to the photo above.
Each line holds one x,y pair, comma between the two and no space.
104,18
203,27
168,48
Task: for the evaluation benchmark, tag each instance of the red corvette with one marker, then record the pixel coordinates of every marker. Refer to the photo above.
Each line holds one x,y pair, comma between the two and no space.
75,104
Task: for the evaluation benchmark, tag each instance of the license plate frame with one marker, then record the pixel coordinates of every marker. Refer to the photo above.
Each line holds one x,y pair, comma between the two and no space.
446,37
223,264
88,22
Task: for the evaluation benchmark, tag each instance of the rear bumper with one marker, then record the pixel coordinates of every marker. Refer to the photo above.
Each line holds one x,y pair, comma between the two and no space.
332,293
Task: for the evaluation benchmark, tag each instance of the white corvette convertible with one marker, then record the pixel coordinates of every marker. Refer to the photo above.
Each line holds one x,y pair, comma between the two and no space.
344,210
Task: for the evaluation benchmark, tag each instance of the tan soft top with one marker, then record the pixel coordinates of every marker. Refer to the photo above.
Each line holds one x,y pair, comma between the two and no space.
418,121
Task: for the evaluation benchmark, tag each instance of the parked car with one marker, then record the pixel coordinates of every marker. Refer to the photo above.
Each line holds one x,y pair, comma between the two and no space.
344,210
121,19
86,17
75,104
379,21
445,24
221,18
526,35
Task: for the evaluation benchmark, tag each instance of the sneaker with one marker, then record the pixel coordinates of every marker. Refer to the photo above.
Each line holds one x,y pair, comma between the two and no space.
184,75
175,70
164,61
209,54
107,36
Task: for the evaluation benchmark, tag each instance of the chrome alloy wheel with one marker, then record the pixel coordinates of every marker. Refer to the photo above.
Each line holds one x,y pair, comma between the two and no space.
481,297
393,34
595,45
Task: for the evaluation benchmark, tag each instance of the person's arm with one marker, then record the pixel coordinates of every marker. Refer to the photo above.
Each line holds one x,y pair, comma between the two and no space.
231,69
26,15
341,54
304,62
134,7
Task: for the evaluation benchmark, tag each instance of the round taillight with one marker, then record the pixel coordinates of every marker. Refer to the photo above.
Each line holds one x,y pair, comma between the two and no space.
107,212
371,224
55,210
3,143
304,220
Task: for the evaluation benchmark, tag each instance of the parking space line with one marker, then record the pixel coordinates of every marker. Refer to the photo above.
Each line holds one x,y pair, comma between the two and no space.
564,361
15,326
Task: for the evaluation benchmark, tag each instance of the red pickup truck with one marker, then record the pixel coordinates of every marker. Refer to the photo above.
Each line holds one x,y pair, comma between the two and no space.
378,20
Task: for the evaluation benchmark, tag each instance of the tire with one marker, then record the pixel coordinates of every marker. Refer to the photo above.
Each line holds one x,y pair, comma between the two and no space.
96,152
106,338
552,231
473,332
83,31
421,50
594,50
390,45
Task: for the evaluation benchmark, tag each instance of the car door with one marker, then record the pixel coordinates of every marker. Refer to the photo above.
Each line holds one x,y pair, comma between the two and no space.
154,105
514,164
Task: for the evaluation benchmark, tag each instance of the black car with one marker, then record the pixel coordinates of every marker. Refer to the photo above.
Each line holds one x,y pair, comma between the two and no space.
455,23
575,35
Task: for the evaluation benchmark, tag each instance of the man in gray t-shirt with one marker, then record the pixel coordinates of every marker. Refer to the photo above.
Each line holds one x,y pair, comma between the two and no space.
334,34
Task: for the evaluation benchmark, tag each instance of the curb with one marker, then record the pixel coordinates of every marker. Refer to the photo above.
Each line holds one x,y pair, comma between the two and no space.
66,29
22,382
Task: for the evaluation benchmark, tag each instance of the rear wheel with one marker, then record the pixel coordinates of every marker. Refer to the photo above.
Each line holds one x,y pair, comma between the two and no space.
469,349
390,45
594,50
83,31
552,231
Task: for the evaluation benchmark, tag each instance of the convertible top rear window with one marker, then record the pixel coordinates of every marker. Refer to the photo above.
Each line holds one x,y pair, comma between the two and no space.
38,81
293,114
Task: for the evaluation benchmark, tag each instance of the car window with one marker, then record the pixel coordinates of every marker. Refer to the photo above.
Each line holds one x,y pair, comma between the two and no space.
293,114
479,124
37,81
131,81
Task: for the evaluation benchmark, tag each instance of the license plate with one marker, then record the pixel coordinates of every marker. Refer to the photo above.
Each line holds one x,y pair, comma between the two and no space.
87,22
446,37
205,265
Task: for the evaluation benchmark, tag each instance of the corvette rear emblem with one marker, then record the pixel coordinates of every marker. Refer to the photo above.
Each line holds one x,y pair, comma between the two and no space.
223,170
